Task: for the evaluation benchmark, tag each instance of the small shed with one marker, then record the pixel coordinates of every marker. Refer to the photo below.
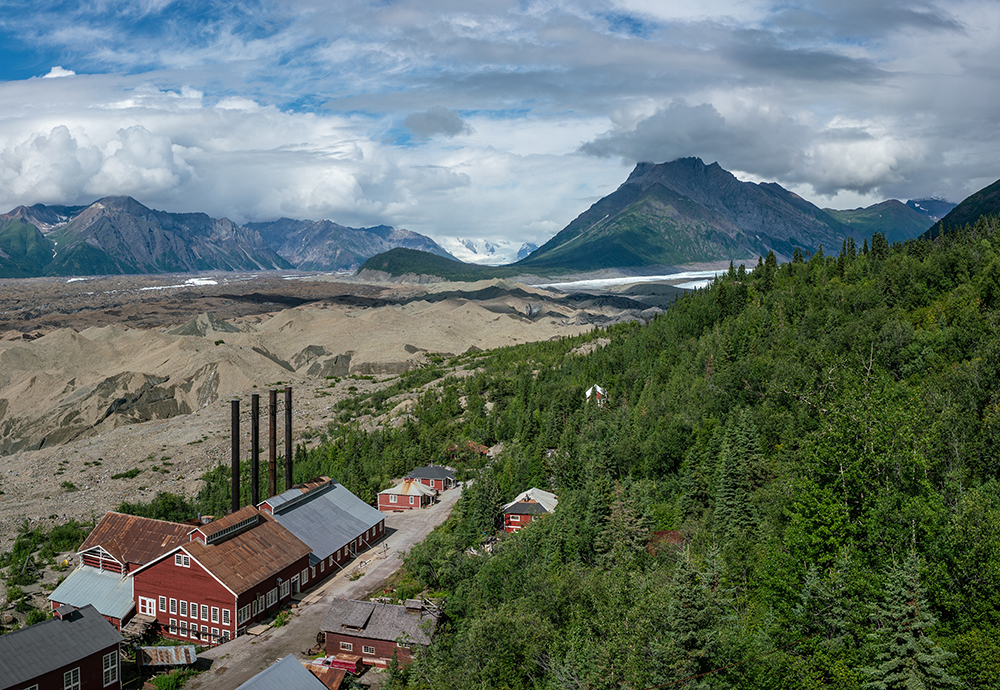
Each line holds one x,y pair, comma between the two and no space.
406,495
182,655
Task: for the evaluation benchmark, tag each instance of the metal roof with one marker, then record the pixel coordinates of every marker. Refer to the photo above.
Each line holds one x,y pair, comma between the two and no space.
432,472
50,645
327,517
547,500
388,622
407,487
134,539
107,591
287,674
167,656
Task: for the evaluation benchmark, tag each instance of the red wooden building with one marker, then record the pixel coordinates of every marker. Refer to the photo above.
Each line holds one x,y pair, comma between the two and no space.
435,476
406,495
230,573
528,506
76,650
377,631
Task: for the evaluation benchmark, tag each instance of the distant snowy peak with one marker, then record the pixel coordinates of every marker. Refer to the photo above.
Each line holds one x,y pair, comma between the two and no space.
487,252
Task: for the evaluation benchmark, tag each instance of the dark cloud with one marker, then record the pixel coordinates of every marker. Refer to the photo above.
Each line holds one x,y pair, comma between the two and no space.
436,120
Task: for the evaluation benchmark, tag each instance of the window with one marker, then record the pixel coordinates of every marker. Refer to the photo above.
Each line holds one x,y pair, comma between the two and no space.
204,632
225,617
253,607
204,612
163,604
71,679
365,649
272,597
515,518
304,578
110,667
242,614
284,589
411,500
260,603
173,605
331,557
392,498
312,572
182,560
215,614
173,626
147,606
184,608
184,629
322,566
225,636
346,646
215,635
403,645
194,610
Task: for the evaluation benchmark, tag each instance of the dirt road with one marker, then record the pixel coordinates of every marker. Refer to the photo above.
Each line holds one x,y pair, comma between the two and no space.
237,661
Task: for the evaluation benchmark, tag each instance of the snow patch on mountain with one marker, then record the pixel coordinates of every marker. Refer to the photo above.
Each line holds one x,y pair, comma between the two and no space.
486,252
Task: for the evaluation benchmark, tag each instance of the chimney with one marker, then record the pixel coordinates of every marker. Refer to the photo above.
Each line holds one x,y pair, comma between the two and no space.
236,453
272,458
288,438
255,448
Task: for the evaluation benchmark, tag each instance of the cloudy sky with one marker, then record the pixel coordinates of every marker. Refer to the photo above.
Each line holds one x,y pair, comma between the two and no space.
502,119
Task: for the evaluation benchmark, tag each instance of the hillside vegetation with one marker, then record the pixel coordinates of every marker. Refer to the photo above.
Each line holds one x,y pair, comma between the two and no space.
822,435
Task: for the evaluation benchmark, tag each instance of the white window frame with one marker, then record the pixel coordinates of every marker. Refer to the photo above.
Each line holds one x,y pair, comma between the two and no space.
147,606
515,518
173,605
110,663
285,589
204,633
226,617
225,635
215,635
243,615
322,566
184,608
367,649
182,560
71,679
411,500
312,572
304,577
347,646
173,626
163,604
393,498
194,610
204,612
182,630
215,614
272,597
331,557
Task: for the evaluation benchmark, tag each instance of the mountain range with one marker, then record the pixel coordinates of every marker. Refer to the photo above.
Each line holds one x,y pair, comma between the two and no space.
118,235
486,252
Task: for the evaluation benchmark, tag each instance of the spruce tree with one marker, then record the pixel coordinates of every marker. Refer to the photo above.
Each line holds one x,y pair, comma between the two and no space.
907,658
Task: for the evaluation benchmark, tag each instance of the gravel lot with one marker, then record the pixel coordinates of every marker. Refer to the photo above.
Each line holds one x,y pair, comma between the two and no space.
235,662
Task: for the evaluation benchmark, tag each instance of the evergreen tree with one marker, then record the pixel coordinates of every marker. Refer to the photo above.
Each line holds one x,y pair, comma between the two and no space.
626,531
797,256
740,465
908,658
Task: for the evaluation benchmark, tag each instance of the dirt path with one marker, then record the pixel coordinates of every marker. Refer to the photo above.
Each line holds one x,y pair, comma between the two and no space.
237,661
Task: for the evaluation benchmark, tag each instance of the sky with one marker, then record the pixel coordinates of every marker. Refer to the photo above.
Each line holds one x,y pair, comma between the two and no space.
499,120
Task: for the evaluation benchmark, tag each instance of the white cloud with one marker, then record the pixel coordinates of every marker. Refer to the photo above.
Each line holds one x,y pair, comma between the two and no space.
57,72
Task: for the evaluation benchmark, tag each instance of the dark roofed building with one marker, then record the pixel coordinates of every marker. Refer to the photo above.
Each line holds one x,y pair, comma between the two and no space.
527,506
377,631
435,476
77,649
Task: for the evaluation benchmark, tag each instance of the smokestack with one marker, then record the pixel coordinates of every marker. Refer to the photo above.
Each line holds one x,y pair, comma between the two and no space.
272,458
288,438
255,450
236,454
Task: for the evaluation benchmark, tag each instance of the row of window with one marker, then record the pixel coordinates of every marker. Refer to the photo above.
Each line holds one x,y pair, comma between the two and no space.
182,630
71,679
181,608
365,649
393,497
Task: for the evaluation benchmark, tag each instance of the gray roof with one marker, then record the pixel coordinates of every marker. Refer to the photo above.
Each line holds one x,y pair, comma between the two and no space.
432,472
108,592
287,674
326,519
53,644
388,622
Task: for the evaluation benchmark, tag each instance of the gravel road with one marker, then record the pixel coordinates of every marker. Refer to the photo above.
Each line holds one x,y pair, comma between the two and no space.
235,662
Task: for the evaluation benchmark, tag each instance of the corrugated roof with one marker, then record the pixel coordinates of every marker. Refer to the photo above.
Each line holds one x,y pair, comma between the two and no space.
134,539
250,556
331,678
388,622
108,592
327,518
547,500
168,656
287,674
409,488
432,472
52,644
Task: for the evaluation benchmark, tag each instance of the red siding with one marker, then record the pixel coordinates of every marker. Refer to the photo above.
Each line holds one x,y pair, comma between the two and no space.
383,649
513,526
402,502
91,674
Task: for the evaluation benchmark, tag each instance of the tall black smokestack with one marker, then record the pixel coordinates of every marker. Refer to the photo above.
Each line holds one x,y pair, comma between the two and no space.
272,457
236,454
288,438
255,450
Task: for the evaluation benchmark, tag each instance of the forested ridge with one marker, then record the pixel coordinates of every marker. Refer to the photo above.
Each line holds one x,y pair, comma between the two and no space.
823,436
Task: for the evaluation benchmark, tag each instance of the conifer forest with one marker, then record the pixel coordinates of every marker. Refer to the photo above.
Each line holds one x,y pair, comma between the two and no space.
820,436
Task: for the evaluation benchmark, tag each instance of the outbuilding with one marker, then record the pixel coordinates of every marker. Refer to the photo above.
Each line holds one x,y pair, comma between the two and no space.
435,476
378,631
406,495
527,506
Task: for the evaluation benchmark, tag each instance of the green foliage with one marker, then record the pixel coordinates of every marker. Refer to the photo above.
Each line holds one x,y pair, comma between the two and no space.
172,680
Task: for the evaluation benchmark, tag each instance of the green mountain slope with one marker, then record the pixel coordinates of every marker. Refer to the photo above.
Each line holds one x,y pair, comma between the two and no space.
984,202
24,251
893,219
